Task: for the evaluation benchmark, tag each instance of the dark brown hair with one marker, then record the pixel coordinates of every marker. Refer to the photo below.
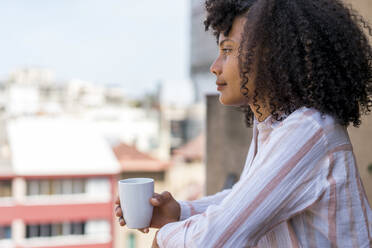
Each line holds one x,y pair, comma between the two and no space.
312,53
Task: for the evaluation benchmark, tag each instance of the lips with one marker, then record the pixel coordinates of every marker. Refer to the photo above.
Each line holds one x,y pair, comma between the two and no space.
220,85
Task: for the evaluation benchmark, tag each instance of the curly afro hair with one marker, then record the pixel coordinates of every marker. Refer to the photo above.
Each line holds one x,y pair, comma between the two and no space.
312,53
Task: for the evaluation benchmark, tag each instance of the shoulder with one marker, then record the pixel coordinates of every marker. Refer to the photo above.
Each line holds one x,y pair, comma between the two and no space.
310,121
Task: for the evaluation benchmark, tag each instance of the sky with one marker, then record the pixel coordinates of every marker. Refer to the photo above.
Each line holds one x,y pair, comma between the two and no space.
134,44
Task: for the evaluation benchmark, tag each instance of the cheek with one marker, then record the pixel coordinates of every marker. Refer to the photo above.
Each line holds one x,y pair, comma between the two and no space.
232,68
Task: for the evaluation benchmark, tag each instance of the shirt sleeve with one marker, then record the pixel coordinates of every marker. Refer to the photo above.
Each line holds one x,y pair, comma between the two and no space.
287,176
190,208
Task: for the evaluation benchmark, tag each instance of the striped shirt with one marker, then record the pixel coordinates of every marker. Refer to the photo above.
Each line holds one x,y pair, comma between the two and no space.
300,187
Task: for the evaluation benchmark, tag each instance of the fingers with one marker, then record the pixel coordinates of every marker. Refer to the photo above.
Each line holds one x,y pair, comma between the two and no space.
166,195
117,201
144,230
118,211
159,199
156,200
121,221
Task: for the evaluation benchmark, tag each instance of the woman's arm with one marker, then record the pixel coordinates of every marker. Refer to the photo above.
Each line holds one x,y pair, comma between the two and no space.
190,208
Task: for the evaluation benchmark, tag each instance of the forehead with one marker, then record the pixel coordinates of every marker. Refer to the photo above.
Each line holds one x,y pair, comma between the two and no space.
236,30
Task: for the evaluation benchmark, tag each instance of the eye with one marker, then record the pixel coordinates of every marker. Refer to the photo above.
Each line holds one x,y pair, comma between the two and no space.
226,50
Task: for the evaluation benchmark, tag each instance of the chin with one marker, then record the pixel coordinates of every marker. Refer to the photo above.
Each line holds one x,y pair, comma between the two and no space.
229,102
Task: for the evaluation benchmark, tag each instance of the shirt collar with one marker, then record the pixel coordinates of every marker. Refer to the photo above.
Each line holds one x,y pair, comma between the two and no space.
269,123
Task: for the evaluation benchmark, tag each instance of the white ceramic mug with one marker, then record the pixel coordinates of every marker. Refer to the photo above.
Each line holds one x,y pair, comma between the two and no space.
135,194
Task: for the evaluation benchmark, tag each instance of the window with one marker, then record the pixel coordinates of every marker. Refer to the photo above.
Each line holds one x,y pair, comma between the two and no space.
33,187
77,228
5,188
66,228
46,230
56,186
98,187
66,186
5,232
44,187
32,231
55,229
78,186
370,168
97,227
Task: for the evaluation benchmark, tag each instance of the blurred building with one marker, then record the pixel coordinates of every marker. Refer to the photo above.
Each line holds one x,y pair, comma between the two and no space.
34,91
188,171
130,125
227,144
57,184
182,124
32,76
59,144
203,51
183,177
25,91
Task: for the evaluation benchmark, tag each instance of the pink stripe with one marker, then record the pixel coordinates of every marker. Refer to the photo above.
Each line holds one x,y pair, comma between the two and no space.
349,204
196,236
310,231
307,113
332,205
292,236
344,147
271,238
269,188
314,171
171,234
192,209
311,236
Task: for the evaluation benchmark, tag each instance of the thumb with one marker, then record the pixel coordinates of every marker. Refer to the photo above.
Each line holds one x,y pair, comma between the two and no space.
160,199
156,200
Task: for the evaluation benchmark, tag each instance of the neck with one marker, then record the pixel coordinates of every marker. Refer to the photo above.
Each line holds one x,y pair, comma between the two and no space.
265,112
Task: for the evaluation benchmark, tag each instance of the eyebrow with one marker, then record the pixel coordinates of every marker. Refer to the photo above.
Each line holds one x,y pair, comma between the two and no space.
225,40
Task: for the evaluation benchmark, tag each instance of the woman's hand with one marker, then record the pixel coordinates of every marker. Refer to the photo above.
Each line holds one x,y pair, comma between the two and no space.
166,210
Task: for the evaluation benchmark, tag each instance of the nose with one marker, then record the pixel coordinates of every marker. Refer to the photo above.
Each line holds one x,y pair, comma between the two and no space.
216,68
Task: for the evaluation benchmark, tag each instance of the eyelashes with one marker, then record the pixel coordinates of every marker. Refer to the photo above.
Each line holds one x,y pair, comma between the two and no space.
225,51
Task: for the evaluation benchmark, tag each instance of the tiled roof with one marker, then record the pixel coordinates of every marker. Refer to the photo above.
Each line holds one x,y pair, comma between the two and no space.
193,150
131,159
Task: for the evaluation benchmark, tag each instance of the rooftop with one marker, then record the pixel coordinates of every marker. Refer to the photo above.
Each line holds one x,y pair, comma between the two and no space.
55,146
132,160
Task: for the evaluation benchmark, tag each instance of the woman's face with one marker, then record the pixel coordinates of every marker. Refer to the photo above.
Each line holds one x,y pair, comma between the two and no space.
226,68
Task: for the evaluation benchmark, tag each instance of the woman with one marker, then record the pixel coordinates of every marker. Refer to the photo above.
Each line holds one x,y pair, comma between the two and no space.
302,72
